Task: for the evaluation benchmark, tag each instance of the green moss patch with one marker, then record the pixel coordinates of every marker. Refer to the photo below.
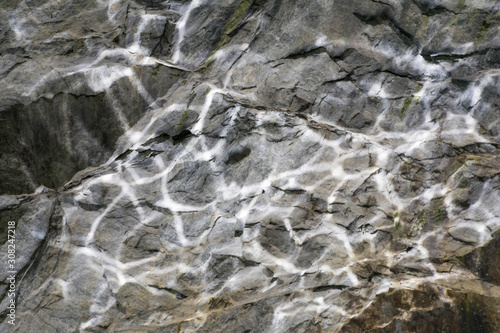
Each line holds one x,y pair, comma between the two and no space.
410,100
482,33
184,118
237,17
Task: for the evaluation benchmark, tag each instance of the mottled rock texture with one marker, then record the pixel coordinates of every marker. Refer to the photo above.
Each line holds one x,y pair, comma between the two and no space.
251,165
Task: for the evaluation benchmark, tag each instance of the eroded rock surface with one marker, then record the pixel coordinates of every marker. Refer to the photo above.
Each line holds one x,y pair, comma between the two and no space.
251,165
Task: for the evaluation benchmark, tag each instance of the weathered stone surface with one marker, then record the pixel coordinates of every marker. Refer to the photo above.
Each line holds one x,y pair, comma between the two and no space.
251,166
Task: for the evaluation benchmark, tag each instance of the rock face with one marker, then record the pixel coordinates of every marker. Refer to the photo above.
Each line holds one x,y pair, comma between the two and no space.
251,165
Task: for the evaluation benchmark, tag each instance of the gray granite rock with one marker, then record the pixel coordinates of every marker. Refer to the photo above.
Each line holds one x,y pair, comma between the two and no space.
250,166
